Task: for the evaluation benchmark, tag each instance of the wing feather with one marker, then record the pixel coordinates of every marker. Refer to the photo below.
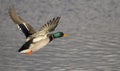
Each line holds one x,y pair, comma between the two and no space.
26,28
51,25
46,28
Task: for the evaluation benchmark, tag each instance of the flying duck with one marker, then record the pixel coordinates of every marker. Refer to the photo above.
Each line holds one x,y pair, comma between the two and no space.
35,40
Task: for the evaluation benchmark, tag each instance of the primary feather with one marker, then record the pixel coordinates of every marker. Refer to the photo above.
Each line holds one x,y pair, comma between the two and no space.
51,25
47,28
20,22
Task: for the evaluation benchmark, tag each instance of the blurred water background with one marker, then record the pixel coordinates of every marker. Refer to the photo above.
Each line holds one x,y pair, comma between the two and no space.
93,43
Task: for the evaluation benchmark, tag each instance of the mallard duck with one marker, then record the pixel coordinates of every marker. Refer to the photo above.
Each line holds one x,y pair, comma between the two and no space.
35,40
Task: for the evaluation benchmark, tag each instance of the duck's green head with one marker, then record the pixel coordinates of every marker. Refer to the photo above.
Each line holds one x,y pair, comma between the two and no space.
59,34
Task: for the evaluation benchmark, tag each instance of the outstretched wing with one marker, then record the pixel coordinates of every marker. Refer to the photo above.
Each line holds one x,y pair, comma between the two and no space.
51,25
45,29
23,26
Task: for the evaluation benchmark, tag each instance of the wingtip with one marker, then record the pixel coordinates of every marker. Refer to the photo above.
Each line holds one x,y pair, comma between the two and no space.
13,15
58,17
11,7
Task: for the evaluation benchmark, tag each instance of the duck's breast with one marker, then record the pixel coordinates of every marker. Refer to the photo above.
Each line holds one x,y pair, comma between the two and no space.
40,44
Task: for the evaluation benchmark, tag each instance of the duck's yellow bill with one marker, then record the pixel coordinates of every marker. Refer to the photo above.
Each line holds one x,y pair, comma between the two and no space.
65,35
